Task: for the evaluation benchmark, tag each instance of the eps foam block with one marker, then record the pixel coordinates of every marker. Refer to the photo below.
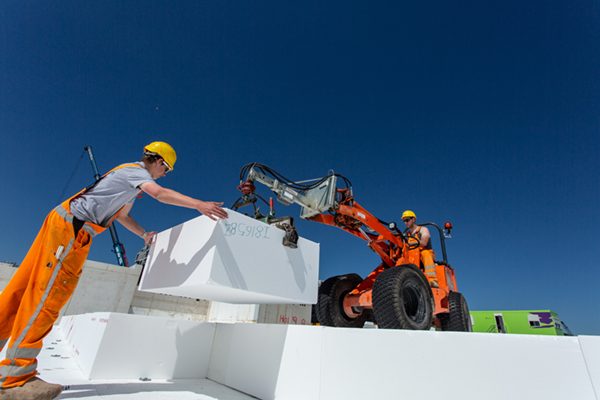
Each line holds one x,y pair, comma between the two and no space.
428,365
237,260
590,346
125,346
268,361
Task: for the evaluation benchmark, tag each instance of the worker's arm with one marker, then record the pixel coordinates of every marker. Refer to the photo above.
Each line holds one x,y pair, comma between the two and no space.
425,236
209,208
128,222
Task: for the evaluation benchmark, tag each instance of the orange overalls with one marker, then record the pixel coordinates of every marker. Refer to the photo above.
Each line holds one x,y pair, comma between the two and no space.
427,258
42,285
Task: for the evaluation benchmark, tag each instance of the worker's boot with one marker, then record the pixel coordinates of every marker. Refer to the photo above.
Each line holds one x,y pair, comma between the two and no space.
431,276
33,389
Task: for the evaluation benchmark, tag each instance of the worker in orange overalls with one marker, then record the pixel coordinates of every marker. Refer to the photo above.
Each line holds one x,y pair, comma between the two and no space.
426,250
46,279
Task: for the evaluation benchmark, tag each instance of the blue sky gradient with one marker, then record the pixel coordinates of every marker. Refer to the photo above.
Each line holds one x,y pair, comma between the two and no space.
486,115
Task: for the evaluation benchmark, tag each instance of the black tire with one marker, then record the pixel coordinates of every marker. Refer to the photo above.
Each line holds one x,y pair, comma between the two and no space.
330,305
402,299
314,319
459,318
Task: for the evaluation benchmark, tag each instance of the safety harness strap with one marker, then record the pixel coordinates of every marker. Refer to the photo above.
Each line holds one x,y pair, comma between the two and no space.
64,214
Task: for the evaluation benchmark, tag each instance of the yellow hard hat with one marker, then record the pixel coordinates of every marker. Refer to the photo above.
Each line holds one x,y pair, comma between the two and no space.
164,150
408,214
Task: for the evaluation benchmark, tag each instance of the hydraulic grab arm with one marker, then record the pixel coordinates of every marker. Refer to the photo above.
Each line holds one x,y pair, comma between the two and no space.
323,202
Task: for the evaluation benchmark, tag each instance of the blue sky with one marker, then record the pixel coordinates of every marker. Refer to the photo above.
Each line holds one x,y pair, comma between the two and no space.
486,115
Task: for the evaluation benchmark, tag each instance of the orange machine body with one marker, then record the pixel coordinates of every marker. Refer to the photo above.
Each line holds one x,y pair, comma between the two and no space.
393,249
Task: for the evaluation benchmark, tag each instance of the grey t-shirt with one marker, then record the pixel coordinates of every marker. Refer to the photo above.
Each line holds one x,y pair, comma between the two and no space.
100,203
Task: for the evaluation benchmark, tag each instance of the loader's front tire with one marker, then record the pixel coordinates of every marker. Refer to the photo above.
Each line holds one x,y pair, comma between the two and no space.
459,318
330,304
402,299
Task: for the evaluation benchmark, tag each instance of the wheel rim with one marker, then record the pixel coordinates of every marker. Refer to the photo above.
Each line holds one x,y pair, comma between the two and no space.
414,302
341,306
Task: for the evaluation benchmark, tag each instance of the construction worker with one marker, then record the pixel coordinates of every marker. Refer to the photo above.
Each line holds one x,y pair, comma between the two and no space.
422,234
46,279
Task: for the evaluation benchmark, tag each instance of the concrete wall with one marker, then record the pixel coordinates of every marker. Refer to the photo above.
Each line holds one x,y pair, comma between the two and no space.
232,313
101,287
110,288
167,306
182,308
7,270
289,314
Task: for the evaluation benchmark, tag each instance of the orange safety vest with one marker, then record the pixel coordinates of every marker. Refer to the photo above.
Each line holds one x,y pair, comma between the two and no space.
418,236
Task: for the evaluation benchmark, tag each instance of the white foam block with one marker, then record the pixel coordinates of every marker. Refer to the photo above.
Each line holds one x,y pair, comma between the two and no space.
307,362
454,365
268,361
590,346
238,260
83,334
125,346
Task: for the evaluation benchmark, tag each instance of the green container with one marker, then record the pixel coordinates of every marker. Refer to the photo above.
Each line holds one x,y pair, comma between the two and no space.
544,322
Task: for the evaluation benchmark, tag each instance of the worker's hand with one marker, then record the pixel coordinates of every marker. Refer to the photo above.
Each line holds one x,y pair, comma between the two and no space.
212,210
149,237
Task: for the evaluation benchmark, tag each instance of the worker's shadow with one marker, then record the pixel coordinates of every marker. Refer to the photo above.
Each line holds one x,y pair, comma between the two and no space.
167,272
297,259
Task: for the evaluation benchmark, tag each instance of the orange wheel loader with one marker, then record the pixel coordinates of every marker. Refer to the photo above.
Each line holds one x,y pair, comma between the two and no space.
396,295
